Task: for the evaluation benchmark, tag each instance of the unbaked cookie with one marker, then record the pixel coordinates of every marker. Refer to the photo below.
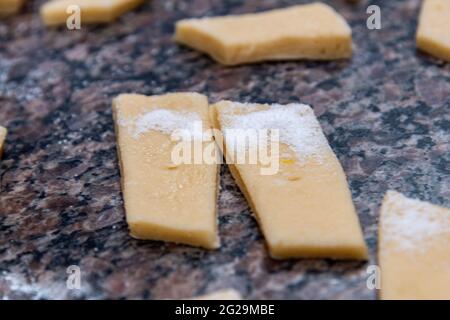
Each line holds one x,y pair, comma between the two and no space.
313,31
163,200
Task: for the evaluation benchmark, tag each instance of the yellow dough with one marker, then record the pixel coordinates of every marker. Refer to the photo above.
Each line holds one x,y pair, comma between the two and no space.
414,249
227,294
305,209
92,11
433,34
313,31
2,139
164,201
9,7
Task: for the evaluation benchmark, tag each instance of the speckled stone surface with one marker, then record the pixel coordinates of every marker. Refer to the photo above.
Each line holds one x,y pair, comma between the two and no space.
386,114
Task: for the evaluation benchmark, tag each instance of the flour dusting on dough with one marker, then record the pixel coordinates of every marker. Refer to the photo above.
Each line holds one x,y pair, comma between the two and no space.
411,223
297,125
162,120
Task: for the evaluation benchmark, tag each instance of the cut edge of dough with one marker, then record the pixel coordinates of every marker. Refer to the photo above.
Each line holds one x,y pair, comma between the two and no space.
433,47
3,133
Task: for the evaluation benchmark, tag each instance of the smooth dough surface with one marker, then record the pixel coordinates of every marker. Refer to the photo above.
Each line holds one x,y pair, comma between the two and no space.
226,294
413,249
313,31
433,34
164,201
9,7
54,12
3,132
305,209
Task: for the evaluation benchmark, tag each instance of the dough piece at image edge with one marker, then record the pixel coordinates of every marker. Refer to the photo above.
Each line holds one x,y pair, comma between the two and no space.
413,249
433,33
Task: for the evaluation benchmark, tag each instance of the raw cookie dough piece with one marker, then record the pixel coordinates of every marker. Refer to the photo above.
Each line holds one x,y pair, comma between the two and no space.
227,294
165,201
312,31
92,11
433,34
2,139
414,254
10,7
305,209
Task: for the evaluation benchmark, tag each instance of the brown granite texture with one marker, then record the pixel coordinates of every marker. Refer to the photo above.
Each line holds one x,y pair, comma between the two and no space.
386,113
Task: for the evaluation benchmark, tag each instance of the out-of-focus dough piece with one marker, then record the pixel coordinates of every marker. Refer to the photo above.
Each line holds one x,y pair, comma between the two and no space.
433,34
92,11
10,7
414,249
3,132
313,31
227,294
164,201
305,209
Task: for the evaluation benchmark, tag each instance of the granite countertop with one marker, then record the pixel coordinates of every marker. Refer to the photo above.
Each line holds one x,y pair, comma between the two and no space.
385,113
